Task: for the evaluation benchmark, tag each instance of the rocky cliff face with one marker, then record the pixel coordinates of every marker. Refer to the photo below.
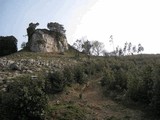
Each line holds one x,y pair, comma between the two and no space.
43,40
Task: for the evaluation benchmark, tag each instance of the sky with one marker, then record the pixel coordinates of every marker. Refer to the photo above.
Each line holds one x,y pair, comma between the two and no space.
135,21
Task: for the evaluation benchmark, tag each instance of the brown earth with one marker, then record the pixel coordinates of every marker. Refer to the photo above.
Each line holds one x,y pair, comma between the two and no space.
90,97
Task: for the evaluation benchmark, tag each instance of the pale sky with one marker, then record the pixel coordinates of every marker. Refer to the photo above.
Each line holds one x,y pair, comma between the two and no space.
136,21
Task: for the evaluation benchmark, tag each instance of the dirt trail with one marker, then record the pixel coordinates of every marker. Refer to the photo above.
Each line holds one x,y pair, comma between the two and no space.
90,97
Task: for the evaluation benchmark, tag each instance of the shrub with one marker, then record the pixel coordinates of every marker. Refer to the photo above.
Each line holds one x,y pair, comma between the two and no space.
67,112
79,75
121,79
55,82
108,80
68,75
24,99
155,101
132,87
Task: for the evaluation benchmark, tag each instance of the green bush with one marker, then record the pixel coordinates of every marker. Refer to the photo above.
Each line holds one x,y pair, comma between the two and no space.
55,82
24,99
68,75
135,79
155,101
67,112
79,75
108,80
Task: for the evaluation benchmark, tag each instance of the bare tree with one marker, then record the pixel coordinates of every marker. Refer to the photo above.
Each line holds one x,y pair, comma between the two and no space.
97,47
83,45
129,47
78,45
134,49
112,42
125,48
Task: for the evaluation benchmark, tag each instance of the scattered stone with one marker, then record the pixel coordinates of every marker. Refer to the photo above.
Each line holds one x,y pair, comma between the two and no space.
3,89
10,62
14,66
57,102
29,71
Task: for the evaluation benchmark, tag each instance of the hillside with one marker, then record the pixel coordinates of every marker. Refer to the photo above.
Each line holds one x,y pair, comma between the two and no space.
78,88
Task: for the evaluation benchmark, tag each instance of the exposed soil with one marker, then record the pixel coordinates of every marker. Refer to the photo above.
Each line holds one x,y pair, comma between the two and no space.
90,97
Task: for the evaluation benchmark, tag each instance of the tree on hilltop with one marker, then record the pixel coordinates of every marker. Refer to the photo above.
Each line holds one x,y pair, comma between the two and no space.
8,45
97,47
56,27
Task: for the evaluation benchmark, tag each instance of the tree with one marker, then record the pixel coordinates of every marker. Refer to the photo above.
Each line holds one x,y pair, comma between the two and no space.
125,48
8,45
23,45
31,28
112,42
120,52
78,45
87,47
134,49
129,47
56,27
117,50
140,48
97,47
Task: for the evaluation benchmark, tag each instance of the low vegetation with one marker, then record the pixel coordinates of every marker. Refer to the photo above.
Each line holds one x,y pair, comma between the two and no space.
75,84
24,99
134,79
129,80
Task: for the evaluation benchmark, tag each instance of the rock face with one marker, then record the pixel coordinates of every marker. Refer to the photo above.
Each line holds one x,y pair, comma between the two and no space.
43,40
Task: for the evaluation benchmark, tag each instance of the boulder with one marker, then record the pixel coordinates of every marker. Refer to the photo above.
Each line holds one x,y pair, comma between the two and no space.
14,66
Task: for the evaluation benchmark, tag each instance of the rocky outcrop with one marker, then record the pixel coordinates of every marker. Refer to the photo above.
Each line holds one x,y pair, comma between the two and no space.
43,40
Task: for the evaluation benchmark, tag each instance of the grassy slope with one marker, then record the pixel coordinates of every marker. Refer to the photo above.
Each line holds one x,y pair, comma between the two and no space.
93,101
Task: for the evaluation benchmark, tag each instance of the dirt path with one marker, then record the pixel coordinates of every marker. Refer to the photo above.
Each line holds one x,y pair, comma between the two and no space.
90,97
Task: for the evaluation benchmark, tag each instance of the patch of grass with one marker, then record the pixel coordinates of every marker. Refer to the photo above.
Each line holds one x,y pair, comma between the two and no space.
67,112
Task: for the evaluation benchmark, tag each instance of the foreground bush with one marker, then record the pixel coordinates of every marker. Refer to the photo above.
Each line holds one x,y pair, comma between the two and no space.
24,99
